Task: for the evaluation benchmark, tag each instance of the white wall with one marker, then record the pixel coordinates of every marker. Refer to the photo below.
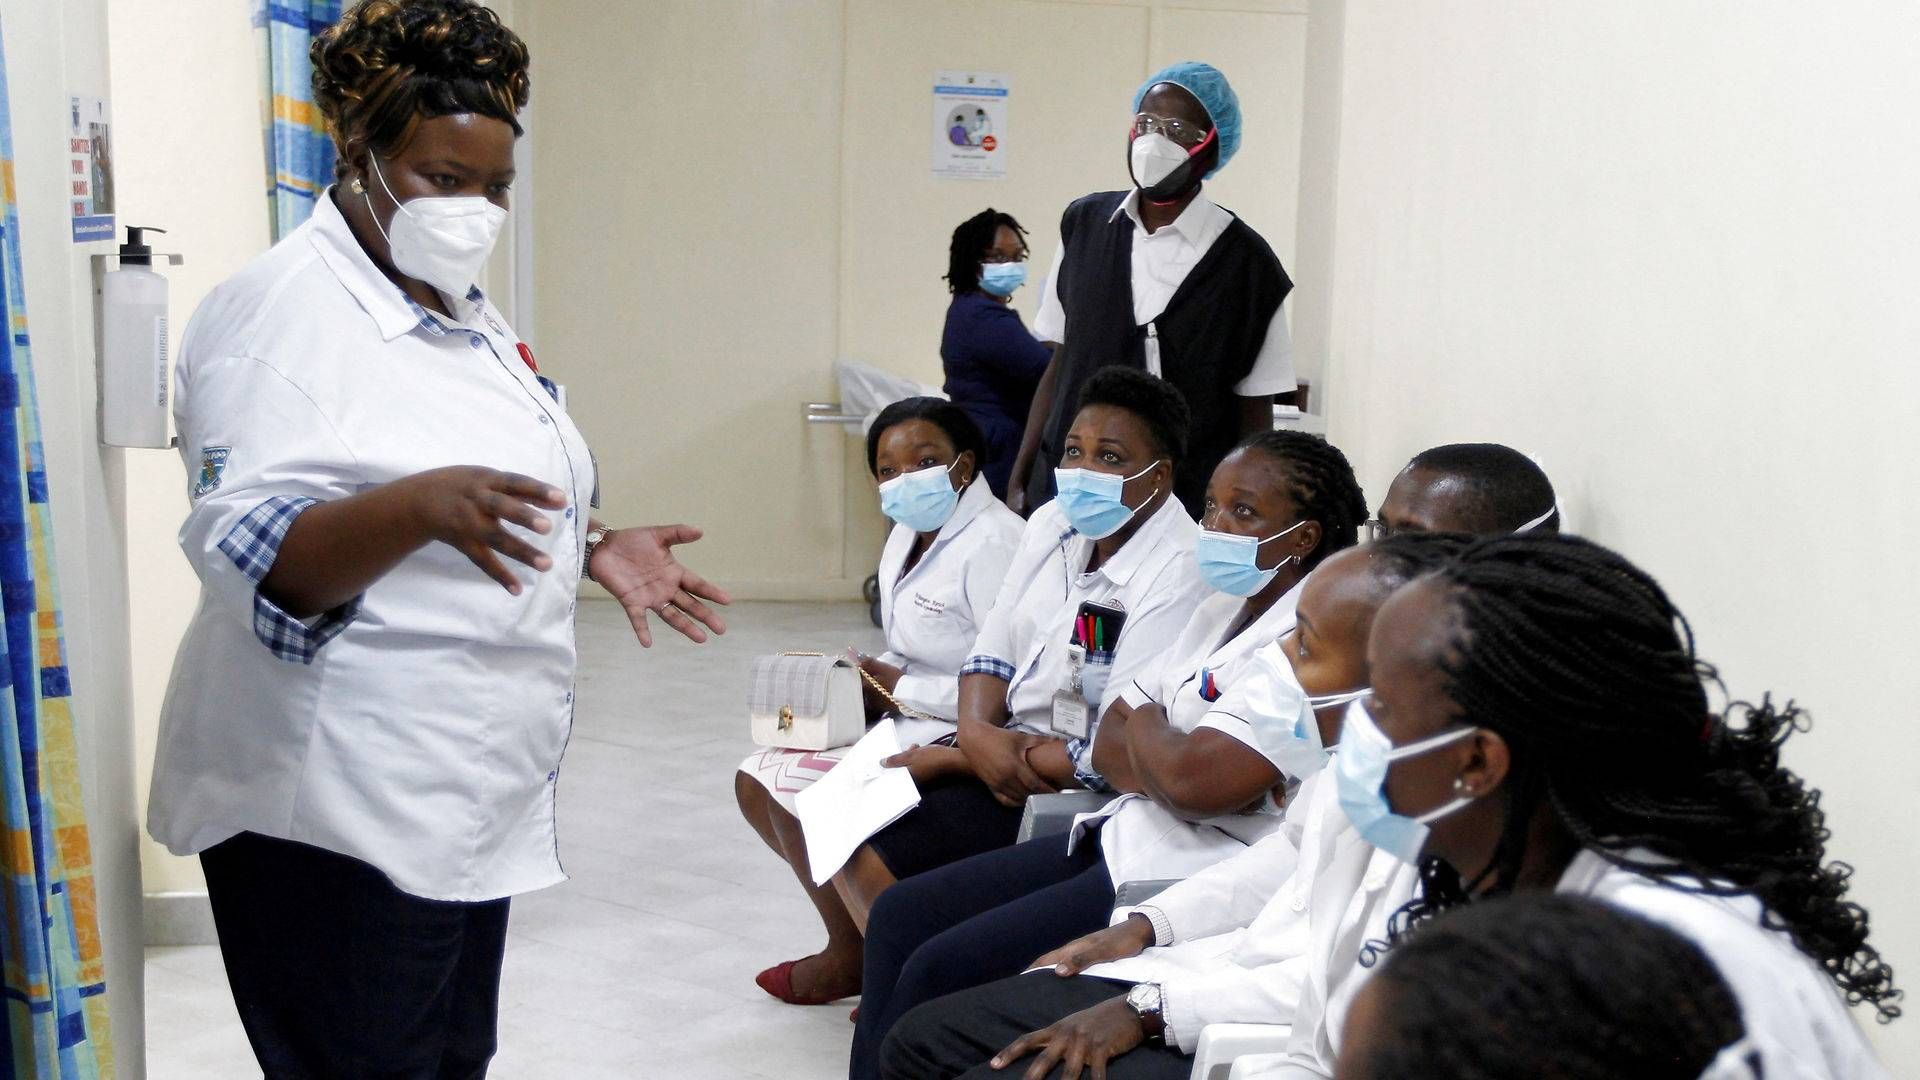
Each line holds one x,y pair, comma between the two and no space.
54,50
205,183
732,194
1670,247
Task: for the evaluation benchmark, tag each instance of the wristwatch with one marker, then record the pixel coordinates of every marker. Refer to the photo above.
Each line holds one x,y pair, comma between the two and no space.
1144,1000
594,536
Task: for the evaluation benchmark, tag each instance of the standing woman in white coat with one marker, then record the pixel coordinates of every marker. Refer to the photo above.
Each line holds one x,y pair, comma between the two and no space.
391,515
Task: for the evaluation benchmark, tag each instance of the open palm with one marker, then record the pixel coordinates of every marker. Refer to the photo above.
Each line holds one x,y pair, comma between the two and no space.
637,566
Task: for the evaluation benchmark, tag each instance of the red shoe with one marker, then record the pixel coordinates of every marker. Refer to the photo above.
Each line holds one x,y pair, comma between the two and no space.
778,981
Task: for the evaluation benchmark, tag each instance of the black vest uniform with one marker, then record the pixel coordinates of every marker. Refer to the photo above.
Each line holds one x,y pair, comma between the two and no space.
1210,333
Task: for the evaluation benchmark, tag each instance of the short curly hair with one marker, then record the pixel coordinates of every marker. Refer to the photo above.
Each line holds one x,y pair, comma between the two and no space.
1157,402
388,64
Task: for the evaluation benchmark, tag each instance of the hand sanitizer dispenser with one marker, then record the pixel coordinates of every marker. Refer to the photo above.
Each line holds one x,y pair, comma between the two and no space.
133,348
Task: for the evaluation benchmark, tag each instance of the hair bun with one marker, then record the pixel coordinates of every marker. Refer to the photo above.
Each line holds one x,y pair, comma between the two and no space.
387,63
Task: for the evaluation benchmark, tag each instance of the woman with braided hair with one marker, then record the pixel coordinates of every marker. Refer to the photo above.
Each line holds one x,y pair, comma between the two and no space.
392,513
1560,987
1539,721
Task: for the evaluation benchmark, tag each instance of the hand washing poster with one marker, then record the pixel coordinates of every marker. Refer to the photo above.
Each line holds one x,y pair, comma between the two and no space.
90,169
970,125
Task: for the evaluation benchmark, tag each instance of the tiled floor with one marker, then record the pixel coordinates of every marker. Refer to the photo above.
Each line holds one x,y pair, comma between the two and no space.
642,965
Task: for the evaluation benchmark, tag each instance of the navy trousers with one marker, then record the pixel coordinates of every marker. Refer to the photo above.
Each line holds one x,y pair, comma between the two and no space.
336,973
972,922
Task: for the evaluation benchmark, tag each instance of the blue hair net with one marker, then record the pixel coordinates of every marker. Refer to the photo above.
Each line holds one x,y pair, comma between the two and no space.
1210,87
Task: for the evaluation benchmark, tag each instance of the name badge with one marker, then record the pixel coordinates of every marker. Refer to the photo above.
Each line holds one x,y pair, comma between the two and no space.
1072,716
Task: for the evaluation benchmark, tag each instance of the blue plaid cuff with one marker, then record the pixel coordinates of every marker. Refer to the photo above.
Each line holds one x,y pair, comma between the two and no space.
988,665
253,544
1081,753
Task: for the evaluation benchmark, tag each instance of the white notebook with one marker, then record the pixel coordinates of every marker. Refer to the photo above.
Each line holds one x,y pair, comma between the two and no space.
856,799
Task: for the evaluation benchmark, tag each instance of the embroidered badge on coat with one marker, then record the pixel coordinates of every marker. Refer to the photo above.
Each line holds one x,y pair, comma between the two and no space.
213,469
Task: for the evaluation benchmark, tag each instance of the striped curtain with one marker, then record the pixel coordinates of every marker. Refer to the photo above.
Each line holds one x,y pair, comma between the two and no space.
51,971
299,153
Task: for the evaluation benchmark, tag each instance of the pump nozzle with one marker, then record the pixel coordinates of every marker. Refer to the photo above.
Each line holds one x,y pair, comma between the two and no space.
134,252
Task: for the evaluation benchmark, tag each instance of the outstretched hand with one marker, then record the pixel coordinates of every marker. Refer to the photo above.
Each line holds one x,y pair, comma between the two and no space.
637,566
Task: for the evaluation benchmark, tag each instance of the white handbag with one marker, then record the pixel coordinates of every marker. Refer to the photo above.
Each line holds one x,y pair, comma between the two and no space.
806,701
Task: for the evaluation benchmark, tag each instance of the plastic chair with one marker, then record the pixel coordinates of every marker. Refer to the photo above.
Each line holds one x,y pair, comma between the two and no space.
1221,1044
1051,815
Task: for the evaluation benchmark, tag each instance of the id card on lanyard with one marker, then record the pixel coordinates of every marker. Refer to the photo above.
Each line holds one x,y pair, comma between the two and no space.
1090,648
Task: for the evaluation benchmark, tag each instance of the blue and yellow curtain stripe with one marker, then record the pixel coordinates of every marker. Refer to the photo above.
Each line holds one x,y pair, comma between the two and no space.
299,153
52,975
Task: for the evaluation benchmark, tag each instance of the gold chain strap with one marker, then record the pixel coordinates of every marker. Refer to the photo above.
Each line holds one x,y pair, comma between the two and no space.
885,694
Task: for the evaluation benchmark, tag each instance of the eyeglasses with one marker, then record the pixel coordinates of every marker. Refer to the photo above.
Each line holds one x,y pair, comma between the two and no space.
1377,530
1180,131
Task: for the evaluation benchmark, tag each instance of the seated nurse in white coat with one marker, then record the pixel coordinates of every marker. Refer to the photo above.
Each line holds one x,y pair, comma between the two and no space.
941,569
1277,506
1539,721
1230,936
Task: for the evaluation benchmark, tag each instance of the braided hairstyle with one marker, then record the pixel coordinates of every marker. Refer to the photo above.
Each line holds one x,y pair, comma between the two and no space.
387,64
1581,663
1321,484
1545,985
970,243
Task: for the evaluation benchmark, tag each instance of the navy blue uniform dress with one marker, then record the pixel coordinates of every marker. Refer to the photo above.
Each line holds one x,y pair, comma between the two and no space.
992,366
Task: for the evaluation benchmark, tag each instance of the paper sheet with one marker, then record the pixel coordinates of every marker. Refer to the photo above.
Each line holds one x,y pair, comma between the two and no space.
858,798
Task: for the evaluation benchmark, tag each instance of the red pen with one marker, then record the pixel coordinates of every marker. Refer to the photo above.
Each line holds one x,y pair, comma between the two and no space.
527,355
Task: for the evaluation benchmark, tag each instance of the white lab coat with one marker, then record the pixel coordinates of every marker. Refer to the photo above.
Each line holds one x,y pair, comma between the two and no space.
1153,577
1795,1014
420,728
1232,941
933,613
1141,840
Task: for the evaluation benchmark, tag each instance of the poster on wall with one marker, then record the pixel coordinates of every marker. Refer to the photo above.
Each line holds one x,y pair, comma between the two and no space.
970,125
90,174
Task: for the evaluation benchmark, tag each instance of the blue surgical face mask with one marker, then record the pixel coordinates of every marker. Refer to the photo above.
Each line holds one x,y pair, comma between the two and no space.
1230,563
922,501
1000,279
1360,776
1302,752
1092,500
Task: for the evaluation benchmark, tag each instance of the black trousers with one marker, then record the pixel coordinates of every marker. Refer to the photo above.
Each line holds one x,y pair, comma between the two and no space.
972,922
340,976
958,1034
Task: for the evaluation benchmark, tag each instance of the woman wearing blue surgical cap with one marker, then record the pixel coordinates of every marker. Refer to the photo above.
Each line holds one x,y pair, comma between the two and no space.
992,363
1162,278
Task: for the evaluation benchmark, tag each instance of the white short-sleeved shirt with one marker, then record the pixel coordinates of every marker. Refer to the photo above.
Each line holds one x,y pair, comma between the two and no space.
420,728
1153,577
1141,840
932,613
1161,261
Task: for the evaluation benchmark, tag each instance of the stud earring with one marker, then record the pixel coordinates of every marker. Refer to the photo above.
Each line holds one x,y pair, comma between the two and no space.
1460,785
357,187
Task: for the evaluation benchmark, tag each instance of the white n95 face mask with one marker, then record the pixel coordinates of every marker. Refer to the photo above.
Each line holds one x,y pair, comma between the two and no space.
1154,157
443,240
